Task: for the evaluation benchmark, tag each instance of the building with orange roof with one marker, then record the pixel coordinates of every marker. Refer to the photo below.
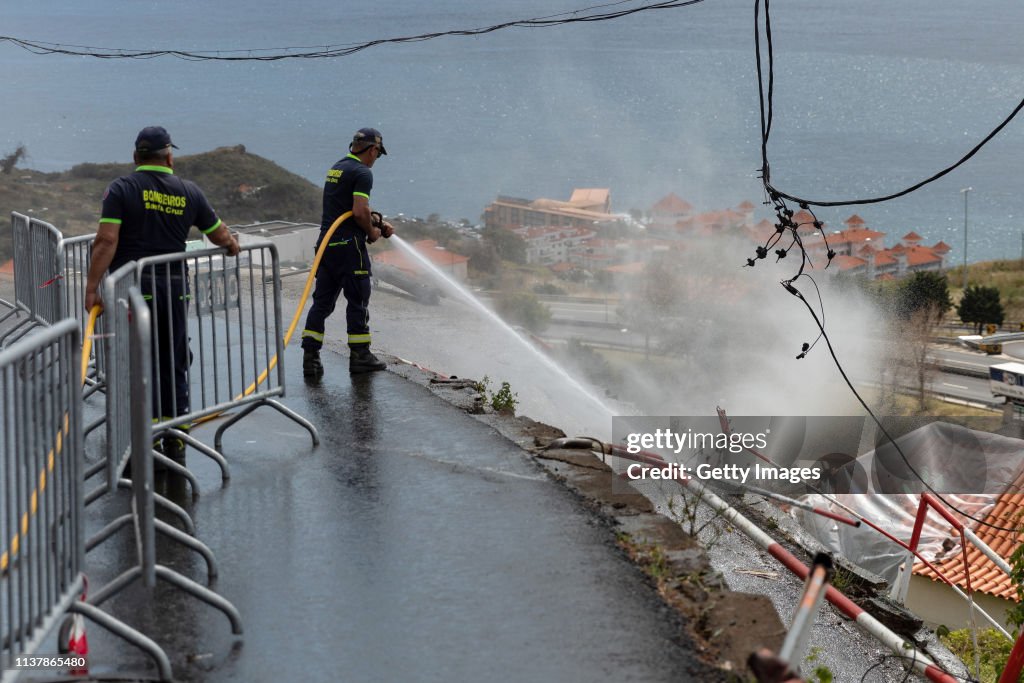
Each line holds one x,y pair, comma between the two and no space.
998,592
455,265
587,208
592,199
870,257
668,211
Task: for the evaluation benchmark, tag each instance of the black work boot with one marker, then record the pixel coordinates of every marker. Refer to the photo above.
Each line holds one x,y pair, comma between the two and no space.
311,366
361,360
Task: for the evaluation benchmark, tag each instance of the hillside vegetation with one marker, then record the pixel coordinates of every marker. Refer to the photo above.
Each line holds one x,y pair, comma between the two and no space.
243,188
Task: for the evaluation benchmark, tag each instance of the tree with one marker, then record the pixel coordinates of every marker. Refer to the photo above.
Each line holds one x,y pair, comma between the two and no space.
980,305
509,245
523,308
924,291
921,303
8,162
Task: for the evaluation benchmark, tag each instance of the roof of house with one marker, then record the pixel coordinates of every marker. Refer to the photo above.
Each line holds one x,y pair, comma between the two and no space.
844,262
985,575
917,256
858,235
671,204
854,220
941,248
589,197
803,218
884,258
429,249
912,237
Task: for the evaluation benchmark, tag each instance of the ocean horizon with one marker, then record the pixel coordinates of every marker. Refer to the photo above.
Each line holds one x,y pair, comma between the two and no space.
870,98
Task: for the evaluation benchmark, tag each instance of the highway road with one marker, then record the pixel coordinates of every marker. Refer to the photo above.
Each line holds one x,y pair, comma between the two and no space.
596,322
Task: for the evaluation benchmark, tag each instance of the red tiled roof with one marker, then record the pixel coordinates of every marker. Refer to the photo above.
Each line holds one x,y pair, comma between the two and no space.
884,258
428,248
917,256
844,262
912,237
854,220
672,204
985,576
859,235
803,217
941,248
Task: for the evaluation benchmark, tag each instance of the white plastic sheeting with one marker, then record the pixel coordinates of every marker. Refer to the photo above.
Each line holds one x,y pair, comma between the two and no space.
970,469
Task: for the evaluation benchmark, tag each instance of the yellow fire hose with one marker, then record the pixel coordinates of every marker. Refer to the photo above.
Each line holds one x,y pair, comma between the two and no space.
298,314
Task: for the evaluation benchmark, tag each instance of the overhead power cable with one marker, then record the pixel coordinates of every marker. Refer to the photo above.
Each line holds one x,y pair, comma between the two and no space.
786,225
585,14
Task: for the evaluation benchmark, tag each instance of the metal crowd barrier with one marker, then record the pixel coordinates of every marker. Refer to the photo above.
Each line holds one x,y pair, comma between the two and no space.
38,275
75,258
235,330
23,287
135,311
42,510
118,324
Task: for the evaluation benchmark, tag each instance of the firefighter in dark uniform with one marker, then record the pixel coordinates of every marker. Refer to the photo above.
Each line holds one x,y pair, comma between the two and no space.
147,213
345,266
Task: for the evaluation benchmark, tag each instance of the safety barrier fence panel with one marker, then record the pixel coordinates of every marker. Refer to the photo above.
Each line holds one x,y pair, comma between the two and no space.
76,256
41,514
216,342
47,272
233,328
75,259
116,328
23,287
133,324
38,276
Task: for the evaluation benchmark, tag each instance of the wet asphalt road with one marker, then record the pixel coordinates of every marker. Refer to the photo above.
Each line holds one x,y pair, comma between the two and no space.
414,544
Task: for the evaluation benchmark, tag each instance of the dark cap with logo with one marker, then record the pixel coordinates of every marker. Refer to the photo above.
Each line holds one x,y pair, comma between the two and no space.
153,139
369,136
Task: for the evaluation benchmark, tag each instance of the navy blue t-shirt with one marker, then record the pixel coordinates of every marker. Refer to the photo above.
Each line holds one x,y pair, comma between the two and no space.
346,179
155,210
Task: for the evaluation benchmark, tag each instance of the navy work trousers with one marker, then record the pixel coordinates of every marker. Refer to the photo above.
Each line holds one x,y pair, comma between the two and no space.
344,269
167,295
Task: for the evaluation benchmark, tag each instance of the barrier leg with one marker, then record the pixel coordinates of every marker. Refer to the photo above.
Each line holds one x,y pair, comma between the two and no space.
206,595
127,633
287,412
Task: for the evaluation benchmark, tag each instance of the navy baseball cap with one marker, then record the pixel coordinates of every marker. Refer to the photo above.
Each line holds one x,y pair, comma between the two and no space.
153,139
369,135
